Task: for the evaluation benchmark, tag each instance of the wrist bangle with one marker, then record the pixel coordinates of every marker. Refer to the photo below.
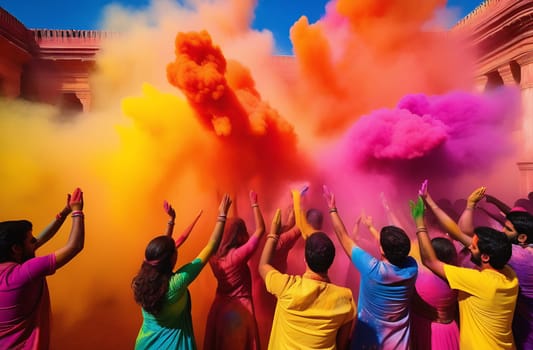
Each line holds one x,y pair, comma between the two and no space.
332,210
221,218
77,215
171,222
255,205
273,236
59,216
421,229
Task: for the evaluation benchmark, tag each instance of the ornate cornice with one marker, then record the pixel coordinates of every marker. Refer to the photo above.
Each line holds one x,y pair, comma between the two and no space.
499,30
15,32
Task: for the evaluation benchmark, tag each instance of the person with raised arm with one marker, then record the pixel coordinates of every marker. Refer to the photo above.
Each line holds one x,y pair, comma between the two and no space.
231,322
311,312
518,227
170,226
164,295
385,287
24,298
487,297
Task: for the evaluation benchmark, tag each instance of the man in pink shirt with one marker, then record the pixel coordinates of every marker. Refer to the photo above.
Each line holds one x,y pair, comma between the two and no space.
24,298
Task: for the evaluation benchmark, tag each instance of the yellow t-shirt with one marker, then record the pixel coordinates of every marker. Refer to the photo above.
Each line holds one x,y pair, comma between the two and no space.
308,312
487,301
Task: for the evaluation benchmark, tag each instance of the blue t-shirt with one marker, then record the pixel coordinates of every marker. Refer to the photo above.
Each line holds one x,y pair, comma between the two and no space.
385,292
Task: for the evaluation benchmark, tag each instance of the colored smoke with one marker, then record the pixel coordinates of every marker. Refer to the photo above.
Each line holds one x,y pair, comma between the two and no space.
189,102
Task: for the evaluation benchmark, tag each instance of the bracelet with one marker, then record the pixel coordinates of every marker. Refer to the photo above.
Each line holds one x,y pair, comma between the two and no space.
60,216
421,229
171,222
77,215
273,236
333,210
255,205
221,218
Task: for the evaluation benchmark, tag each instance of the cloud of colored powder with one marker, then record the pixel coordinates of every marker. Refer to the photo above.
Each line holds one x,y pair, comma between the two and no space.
190,102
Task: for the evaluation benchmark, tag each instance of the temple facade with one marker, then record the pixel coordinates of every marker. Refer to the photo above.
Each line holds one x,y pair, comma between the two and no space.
49,66
53,66
501,32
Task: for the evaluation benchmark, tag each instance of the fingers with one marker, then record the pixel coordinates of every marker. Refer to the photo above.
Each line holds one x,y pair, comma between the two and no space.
423,188
253,197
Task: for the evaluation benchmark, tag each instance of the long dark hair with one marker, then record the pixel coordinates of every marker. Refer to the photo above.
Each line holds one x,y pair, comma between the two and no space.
235,235
150,285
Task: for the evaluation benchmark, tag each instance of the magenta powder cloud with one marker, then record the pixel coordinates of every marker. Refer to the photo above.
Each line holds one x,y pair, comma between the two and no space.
436,135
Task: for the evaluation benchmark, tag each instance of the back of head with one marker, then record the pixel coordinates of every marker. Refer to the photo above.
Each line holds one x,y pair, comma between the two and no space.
319,252
235,235
150,285
445,250
495,244
12,233
315,218
395,244
522,222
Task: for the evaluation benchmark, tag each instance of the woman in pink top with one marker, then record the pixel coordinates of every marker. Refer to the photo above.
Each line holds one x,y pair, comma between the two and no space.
231,322
434,305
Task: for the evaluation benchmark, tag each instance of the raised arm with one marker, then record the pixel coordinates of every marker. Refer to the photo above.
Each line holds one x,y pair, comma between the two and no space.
52,228
504,208
258,216
445,221
216,236
185,234
299,214
367,221
466,221
427,253
76,238
265,262
338,226
172,217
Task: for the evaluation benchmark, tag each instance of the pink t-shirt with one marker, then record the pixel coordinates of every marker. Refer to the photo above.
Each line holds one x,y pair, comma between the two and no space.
25,303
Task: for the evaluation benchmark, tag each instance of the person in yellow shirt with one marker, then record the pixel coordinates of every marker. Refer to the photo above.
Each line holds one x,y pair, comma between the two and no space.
487,297
311,312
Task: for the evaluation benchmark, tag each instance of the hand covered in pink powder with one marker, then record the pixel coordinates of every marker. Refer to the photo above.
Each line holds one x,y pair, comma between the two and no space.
75,200
423,191
169,210
253,198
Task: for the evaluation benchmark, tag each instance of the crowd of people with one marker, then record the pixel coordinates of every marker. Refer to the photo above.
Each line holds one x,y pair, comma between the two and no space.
438,300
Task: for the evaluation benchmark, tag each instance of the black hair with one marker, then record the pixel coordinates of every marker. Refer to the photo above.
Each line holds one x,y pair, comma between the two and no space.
445,250
395,244
495,244
319,252
150,285
12,233
522,222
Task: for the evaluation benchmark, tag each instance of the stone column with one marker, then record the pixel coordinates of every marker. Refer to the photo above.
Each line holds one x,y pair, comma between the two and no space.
507,75
526,85
481,82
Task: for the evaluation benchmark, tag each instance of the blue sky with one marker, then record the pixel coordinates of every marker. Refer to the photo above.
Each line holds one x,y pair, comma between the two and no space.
274,15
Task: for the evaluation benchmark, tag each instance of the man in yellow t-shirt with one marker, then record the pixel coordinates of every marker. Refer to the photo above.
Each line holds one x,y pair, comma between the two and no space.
311,312
487,297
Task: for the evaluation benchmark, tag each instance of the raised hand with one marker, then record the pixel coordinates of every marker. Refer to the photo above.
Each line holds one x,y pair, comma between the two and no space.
330,197
275,227
225,204
365,219
423,191
253,198
75,200
169,210
417,211
476,196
